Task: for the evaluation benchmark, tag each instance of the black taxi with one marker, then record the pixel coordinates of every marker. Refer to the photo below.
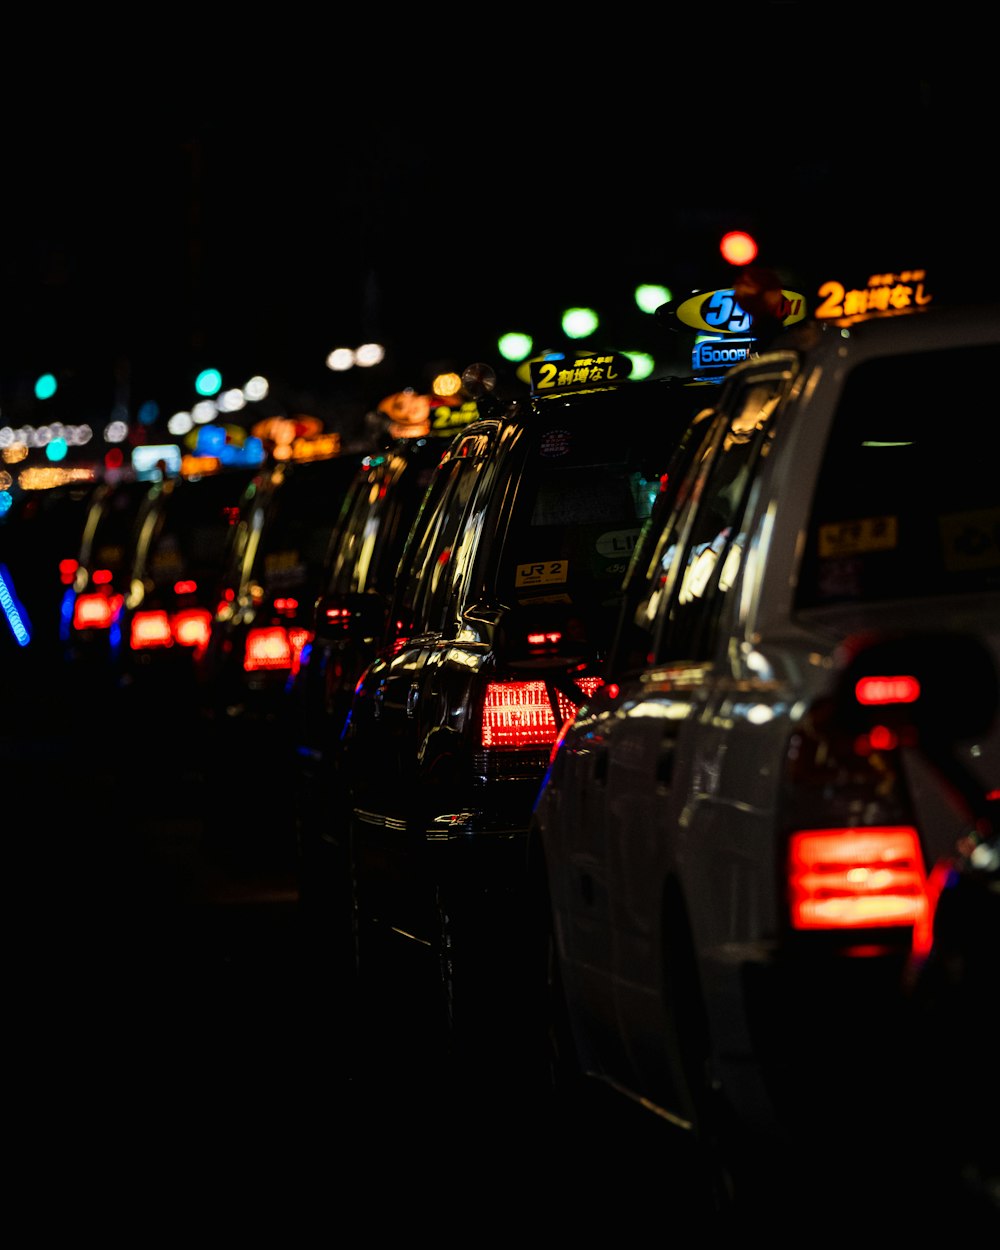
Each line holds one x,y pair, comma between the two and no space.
347,623
504,603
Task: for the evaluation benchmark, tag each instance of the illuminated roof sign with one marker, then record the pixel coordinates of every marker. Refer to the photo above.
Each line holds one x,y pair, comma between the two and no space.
884,293
718,312
565,374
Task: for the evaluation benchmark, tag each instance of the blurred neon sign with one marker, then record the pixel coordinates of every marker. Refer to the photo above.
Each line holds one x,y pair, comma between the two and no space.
884,293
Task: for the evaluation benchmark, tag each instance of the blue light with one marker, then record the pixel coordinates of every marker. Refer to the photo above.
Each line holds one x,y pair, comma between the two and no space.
13,609
211,440
57,449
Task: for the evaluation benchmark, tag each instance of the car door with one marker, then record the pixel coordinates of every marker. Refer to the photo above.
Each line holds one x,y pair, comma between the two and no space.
647,763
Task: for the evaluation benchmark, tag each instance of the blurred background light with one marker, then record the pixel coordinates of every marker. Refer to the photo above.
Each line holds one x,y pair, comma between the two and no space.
649,297
208,382
256,389
45,386
578,323
204,412
642,364
231,401
514,345
369,354
738,247
340,359
180,423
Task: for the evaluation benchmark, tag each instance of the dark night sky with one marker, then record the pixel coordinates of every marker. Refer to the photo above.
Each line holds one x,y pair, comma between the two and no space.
257,238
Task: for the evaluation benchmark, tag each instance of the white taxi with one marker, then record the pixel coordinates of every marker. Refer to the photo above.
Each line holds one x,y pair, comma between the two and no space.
729,869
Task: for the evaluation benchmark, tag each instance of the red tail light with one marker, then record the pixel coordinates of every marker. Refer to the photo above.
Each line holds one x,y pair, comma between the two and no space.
338,616
192,627
882,690
520,713
150,629
274,647
95,611
856,878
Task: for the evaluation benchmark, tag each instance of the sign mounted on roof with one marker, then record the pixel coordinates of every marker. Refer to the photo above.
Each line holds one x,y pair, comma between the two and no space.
563,373
719,312
887,293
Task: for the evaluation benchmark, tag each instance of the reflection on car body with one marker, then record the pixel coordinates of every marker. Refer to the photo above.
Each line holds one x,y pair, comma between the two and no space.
348,623
728,883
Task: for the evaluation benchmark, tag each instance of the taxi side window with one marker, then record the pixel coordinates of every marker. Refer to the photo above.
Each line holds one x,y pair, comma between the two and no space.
716,540
698,553
431,567
647,580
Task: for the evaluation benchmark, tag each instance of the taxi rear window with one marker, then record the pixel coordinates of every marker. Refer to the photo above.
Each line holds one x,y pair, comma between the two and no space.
581,506
907,504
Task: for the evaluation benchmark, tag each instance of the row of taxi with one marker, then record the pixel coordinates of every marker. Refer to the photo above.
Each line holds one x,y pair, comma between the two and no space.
642,735
666,715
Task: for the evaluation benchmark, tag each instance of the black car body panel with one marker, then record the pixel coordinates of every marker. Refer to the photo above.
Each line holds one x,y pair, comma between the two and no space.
506,600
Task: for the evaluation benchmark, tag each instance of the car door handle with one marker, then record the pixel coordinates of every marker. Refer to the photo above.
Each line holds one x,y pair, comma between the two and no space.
412,695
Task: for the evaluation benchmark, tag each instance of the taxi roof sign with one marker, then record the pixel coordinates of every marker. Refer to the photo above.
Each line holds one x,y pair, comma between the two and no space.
565,373
719,312
887,294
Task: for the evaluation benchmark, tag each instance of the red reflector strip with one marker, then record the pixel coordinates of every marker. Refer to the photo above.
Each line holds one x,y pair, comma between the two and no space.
875,690
856,878
268,648
150,629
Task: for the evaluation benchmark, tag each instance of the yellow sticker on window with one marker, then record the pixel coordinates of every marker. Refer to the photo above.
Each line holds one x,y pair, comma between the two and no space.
851,538
542,574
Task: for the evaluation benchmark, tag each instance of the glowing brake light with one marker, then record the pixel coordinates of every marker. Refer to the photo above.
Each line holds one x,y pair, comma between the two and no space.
520,713
274,647
879,690
150,629
856,878
95,611
192,627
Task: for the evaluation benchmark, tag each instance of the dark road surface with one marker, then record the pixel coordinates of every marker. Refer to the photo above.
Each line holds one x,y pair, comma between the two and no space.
178,1042
184,1060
